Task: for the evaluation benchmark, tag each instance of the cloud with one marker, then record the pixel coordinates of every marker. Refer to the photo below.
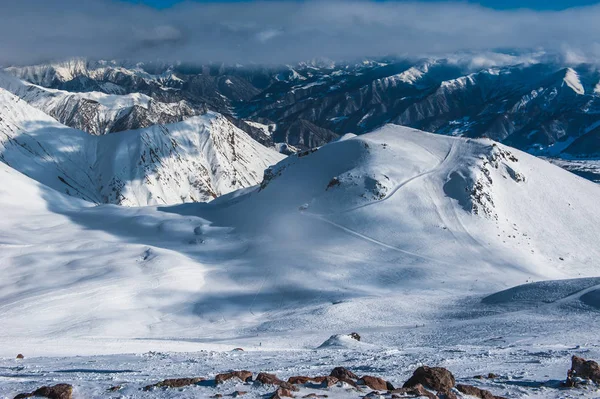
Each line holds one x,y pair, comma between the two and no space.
269,32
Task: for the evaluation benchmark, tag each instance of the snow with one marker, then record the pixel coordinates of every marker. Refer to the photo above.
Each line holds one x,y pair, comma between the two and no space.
63,105
572,80
194,160
398,235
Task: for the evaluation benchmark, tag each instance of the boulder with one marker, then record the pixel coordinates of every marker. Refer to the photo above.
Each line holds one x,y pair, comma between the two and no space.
174,383
281,393
355,336
271,379
20,356
418,390
343,373
59,391
584,369
243,375
300,380
476,392
375,383
436,378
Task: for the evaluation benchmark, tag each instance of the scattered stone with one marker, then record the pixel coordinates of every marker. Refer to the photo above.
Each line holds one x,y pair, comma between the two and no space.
243,375
342,373
584,370
355,336
436,378
418,390
115,388
300,380
20,356
271,379
328,381
59,391
174,383
281,393
476,392
490,376
375,383
332,183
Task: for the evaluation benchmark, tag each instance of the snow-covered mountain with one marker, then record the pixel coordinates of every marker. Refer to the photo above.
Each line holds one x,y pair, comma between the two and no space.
543,106
194,160
376,233
98,113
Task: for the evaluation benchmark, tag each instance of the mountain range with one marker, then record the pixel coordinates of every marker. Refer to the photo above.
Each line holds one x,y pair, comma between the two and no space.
544,107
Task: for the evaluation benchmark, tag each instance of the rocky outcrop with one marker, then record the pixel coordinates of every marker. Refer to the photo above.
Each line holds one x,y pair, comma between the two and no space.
582,369
476,392
174,383
59,391
375,383
243,375
436,378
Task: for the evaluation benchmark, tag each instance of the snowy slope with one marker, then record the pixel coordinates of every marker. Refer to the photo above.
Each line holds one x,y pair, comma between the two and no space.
194,160
98,113
376,233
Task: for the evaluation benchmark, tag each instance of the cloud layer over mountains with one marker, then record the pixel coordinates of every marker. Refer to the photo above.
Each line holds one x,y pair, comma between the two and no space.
282,31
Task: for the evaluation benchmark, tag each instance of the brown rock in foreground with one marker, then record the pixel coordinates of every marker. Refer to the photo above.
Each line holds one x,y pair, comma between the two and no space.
174,383
20,356
476,392
584,369
271,379
59,391
375,383
418,390
243,375
281,393
342,373
436,378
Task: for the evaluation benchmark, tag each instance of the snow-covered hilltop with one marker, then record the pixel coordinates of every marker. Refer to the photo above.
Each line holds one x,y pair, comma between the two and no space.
194,160
348,237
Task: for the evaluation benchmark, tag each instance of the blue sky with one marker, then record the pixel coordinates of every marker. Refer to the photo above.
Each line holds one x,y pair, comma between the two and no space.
496,4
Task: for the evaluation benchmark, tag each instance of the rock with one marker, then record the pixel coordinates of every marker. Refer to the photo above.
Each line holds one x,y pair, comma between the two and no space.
342,373
476,392
584,369
299,380
238,393
281,393
174,383
217,395
355,336
271,379
328,381
418,390
115,388
436,378
489,376
237,350
375,383
20,356
314,395
243,375
59,391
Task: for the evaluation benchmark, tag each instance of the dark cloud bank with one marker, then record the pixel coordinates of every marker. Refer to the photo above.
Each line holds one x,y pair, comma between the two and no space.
271,32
